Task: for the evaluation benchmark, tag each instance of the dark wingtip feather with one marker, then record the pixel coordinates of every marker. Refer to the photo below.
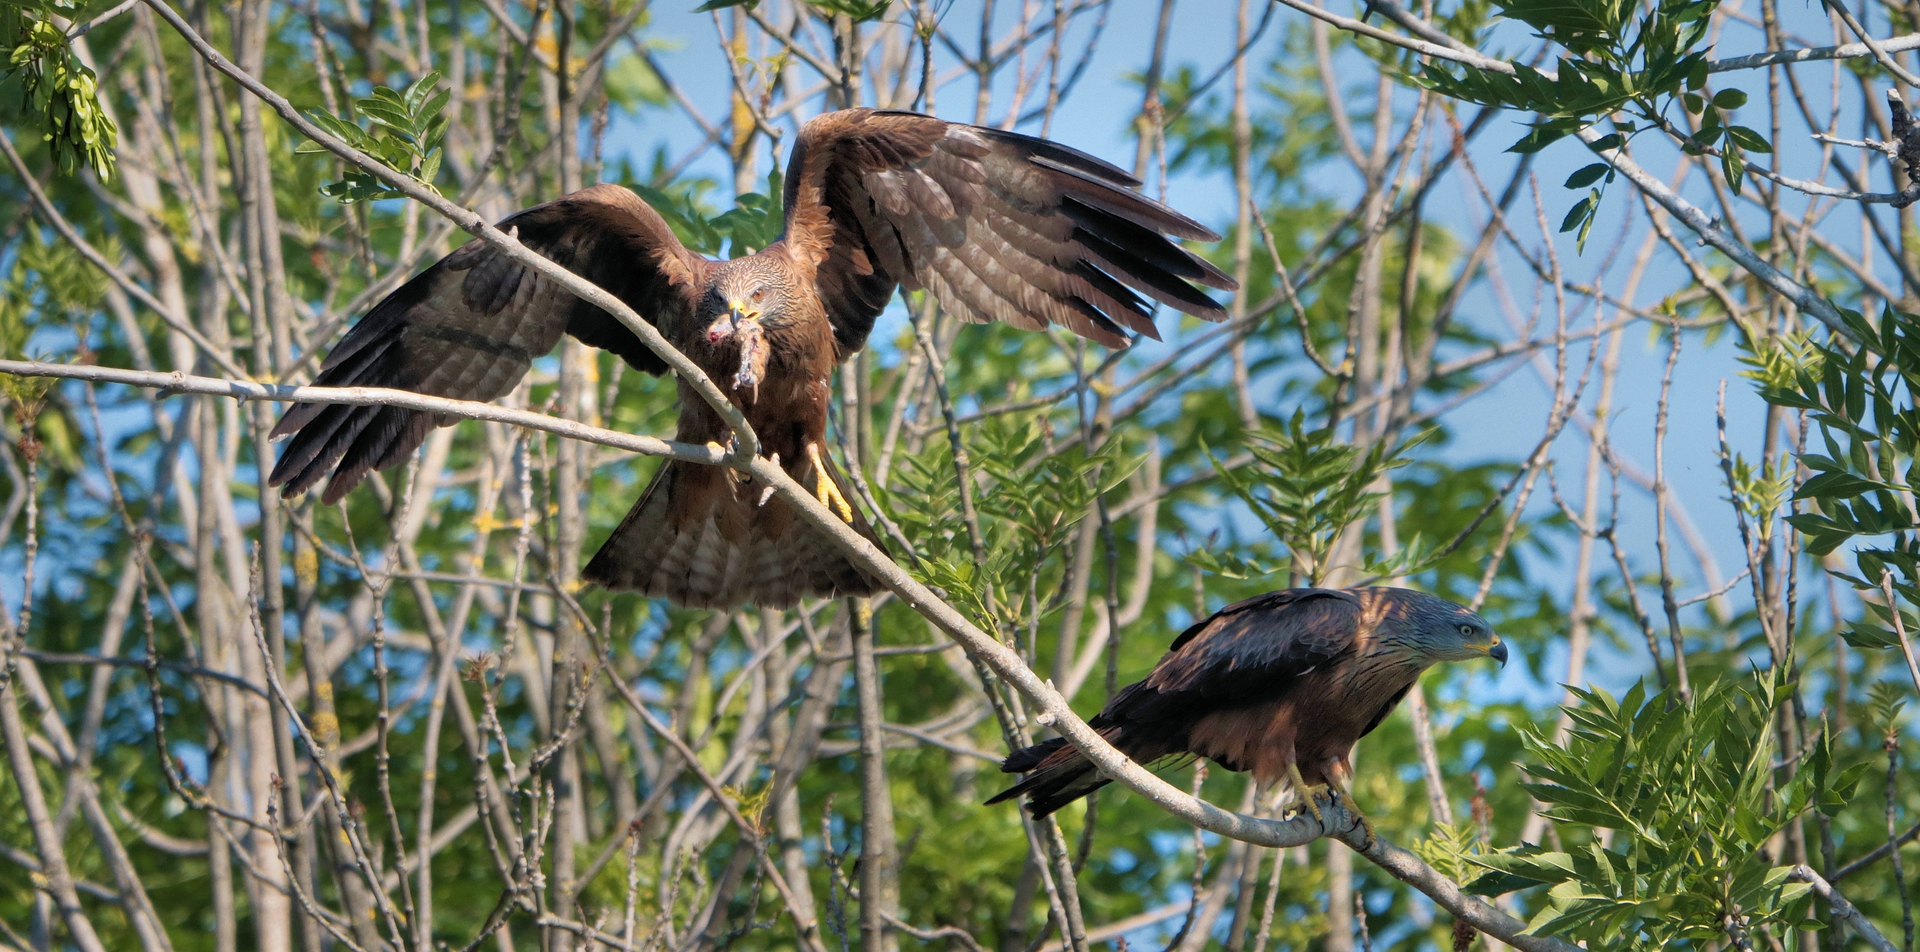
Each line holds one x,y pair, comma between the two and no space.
1124,202
306,457
1099,328
1066,155
388,435
1004,795
342,483
1144,243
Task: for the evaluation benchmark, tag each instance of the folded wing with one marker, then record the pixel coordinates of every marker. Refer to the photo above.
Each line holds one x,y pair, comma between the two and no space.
1250,651
470,326
997,225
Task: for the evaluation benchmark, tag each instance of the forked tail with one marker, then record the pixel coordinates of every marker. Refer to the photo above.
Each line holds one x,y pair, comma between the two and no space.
1056,774
700,537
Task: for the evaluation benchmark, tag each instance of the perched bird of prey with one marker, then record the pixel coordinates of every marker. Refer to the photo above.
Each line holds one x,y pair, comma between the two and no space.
996,226
1282,684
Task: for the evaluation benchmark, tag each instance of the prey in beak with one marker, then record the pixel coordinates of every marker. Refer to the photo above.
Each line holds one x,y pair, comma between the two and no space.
742,325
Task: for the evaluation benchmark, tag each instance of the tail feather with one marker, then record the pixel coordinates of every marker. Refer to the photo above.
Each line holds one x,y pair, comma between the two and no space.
1056,774
698,538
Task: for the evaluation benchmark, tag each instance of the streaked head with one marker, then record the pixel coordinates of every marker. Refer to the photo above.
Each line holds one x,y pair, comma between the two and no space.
1439,630
746,289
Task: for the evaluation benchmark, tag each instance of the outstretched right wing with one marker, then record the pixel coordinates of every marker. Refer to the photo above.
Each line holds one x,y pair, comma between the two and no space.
469,327
998,226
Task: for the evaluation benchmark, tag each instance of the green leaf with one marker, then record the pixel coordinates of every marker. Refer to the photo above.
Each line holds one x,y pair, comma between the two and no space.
1577,214
1539,138
1586,227
59,94
1697,76
1587,176
860,12
1749,140
1499,884
1729,99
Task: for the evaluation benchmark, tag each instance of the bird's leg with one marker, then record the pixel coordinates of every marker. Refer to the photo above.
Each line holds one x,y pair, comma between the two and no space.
1304,792
823,486
1339,789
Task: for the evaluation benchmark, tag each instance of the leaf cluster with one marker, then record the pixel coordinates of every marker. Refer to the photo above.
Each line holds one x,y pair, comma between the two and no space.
756,220
1860,394
1612,66
1683,789
60,95
861,11
1036,494
1307,487
404,132
1617,63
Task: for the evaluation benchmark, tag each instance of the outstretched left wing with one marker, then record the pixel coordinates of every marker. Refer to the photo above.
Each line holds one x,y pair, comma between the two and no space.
998,226
471,325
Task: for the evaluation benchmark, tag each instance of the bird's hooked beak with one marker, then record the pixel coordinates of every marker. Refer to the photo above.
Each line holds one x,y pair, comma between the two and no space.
729,324
1497,650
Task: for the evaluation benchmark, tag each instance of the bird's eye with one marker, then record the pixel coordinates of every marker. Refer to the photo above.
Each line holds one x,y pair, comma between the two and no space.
1467,630
755,296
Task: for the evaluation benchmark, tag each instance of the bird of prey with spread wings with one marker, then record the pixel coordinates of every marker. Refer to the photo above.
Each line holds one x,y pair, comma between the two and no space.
1281,684
996,226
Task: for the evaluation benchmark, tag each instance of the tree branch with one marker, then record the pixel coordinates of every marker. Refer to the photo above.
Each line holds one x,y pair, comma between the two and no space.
1052,709
1843,910
746,444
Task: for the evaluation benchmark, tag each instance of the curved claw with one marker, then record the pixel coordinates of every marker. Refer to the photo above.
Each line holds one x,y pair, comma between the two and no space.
823,487
1338,790
1366,826
1306,793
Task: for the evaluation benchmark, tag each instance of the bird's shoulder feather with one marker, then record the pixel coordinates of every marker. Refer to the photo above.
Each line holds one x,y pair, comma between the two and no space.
1248,652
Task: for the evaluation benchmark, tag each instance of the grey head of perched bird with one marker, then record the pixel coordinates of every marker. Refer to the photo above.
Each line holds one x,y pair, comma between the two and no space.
1281,684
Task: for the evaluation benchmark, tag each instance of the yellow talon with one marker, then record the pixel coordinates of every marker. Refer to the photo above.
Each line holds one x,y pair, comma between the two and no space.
1304,792
823,486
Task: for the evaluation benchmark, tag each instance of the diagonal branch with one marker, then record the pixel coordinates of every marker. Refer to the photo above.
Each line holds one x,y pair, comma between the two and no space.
1052,708
1803,297
1843,910
746,444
